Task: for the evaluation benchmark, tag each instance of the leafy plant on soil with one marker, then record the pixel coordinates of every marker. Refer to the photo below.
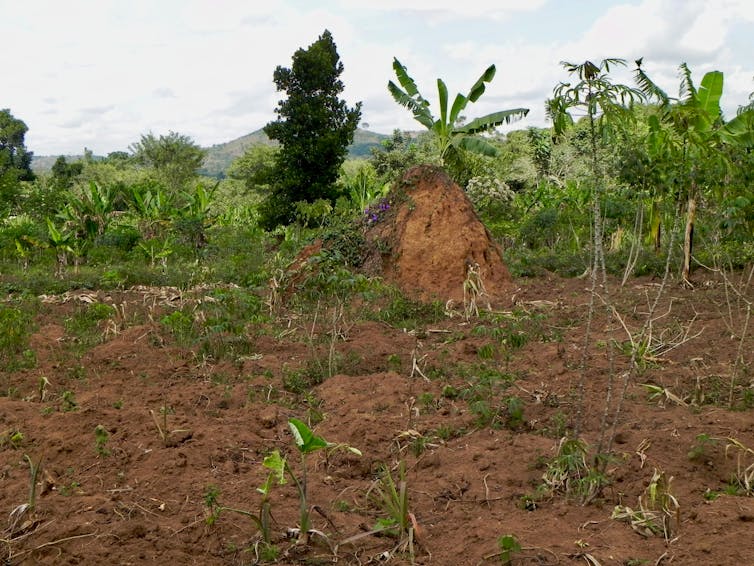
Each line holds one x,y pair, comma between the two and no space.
68,401
571,474
15,328
12,438
483,394
391,497
18,513
83,325
101,436
306,442
508,545
659,512
744,475
662,394
166,435
262,518
699,449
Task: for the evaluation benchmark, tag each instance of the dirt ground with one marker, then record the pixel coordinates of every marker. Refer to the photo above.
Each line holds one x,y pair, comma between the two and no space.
402,396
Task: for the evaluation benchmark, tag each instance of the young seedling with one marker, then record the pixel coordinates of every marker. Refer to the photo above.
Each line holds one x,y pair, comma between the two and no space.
19,512
162,428
570,473
68,401
659,511
101,437
508,545
306,443
262,519
42,388
400,522
662,394
744,464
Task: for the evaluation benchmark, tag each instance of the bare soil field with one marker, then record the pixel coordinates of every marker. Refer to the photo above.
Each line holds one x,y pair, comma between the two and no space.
138,437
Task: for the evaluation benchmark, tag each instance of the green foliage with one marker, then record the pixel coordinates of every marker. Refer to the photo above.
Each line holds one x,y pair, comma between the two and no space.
174,158
15,329
211,501
449,135
743,478
12,438
508,545
181,325
218,324
84,324
400,152
255,168
64,174
484,395
658,510
314,128
569,472
401,311
68,401
306,443
101,436
391,497
15,160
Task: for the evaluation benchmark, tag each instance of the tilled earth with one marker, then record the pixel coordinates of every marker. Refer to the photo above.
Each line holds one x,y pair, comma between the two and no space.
475,409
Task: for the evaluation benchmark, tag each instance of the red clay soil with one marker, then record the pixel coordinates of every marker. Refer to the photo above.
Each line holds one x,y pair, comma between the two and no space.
434,236
141,499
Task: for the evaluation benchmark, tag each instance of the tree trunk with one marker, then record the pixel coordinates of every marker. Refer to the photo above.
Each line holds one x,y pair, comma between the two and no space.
688,239
656,227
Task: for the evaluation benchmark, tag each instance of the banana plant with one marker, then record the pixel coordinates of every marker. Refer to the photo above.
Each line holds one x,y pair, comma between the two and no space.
153,207
89,212
307,442
196,214
451,136
60,241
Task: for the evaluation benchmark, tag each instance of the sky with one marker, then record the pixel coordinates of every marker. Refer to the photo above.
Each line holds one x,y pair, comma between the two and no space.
100,74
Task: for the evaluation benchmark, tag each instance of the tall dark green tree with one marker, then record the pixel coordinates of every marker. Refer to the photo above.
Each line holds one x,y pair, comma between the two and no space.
314,128
15,160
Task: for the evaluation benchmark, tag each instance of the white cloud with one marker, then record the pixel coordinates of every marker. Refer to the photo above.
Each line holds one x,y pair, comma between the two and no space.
204,67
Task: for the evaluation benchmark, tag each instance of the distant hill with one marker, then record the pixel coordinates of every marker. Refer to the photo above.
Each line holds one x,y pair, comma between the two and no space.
220,156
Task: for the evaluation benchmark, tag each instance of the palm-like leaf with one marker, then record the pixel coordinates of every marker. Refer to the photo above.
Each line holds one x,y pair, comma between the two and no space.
478,89
405,79
709,94
447,135
687,90
556,110
490,121
442,94
740,130
478,145
418,106
648,87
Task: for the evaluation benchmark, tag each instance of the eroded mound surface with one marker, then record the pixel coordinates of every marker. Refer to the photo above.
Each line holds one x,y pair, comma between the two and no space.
431,239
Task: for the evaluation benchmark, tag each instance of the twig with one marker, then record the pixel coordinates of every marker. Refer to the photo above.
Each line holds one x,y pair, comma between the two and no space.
739,356
51,543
